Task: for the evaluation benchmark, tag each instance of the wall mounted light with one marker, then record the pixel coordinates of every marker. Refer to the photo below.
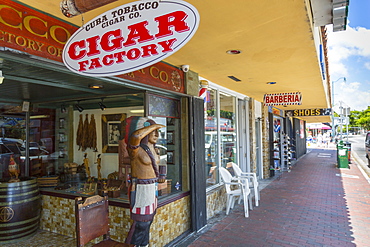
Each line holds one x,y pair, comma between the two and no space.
96,86
79,107
1,77
137,111
101,105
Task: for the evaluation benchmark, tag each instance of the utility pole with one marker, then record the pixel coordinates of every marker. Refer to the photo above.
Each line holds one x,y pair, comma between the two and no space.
347,112
333,129
341,120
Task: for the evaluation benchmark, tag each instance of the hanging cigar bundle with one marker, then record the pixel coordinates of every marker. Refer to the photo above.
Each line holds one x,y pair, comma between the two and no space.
72,8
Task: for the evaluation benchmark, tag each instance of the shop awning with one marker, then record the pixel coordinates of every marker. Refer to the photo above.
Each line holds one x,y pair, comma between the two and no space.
320,126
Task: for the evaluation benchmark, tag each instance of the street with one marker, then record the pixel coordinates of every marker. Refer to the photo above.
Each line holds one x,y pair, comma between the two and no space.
358,151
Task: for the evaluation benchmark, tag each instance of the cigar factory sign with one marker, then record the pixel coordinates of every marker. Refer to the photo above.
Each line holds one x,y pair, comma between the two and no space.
130,37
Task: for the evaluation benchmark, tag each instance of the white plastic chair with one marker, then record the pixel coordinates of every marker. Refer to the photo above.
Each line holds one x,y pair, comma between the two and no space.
252,178
242,191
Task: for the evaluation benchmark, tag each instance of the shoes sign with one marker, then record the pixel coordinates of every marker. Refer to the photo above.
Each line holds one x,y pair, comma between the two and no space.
130,37
309,112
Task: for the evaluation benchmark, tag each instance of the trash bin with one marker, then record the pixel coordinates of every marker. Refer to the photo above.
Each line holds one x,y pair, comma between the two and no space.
348,146
342,155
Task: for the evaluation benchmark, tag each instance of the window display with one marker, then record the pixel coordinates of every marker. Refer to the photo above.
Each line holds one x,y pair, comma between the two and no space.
277,146
72,153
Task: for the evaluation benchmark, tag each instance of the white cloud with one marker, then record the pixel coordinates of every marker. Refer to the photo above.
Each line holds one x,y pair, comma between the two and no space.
341,46
367,65
352,42
350,95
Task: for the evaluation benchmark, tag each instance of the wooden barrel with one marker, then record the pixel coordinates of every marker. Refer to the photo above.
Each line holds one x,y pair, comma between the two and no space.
20,207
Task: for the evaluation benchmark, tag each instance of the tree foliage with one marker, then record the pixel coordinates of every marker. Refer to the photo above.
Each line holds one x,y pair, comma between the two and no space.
360,118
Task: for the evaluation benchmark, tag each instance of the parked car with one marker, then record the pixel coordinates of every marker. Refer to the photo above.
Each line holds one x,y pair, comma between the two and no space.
35,151
367,148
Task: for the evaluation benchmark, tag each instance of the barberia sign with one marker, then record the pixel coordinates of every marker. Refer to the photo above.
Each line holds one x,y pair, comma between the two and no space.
130,37
294,98
30,31
308,112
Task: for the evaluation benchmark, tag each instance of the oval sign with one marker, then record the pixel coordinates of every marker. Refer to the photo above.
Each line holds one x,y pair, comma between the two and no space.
130,37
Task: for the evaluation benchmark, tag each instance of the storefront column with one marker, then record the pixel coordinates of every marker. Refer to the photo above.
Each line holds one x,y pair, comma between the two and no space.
197,164
265,143
252,137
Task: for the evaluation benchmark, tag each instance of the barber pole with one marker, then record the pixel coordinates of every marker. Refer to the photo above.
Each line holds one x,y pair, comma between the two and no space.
203,92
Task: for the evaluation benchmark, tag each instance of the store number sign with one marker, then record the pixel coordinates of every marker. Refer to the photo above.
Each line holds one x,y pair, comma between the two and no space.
130,37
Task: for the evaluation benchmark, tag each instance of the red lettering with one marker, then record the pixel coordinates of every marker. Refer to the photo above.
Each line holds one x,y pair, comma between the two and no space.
93,46
138,31
280,99
285,98
167,45
115,43
95,63
296,98
133,54
108,60
83,65
149,50
119,56
289,98
276,99
175,19
74,52
267,99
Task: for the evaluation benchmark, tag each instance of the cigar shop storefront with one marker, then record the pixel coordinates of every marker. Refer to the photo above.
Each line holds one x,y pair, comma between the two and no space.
67,133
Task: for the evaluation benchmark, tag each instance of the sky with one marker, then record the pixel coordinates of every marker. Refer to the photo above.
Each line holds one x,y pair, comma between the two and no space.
349,58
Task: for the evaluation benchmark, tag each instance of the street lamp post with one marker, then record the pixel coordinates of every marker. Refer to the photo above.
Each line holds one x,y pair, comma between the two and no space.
332,106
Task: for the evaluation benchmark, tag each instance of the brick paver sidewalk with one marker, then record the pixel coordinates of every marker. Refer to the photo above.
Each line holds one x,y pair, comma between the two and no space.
316,204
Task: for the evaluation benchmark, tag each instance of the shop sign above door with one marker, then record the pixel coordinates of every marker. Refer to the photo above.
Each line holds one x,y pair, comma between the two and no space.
309,112
294,98
130,37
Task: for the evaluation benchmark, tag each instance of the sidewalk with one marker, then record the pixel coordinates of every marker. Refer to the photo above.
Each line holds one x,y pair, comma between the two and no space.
316,204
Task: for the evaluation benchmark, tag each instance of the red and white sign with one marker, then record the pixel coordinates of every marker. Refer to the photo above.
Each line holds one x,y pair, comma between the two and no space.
130,37
283,99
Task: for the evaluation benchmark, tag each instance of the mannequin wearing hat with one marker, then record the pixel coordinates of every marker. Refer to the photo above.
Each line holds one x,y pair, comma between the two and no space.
145,174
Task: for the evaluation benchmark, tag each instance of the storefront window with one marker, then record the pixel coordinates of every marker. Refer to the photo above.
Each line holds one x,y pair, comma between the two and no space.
219,124
211,137
169,149
227,128
77,150
13,144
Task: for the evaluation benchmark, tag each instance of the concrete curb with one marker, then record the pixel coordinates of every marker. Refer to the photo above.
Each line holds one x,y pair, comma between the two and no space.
362,166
